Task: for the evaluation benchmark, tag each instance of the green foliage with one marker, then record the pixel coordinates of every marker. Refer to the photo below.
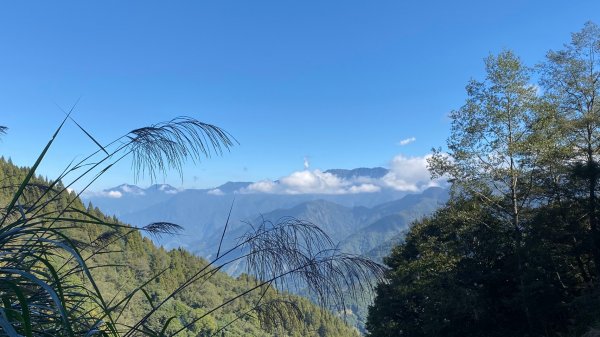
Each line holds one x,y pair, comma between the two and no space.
68,270
516,251
456,274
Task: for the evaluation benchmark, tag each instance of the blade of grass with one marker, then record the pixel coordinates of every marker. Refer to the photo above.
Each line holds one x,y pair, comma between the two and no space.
32,170
82,129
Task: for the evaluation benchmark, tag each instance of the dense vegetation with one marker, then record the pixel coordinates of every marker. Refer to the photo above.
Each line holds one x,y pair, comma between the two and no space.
68,270
516,250
135,259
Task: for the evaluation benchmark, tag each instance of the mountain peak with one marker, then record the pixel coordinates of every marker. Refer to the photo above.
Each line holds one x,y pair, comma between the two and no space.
232,186
165,188
127,189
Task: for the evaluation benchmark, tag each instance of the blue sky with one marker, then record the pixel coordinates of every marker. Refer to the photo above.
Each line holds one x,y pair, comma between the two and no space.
342,82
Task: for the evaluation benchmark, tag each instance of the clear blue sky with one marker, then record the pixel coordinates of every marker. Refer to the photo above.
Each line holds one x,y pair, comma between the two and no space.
339,81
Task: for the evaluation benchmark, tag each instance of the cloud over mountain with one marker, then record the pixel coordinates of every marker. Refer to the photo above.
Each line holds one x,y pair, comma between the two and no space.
310,182
407,174
126,190
113,194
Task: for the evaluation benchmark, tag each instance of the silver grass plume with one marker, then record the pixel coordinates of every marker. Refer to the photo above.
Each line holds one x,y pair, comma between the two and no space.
163,146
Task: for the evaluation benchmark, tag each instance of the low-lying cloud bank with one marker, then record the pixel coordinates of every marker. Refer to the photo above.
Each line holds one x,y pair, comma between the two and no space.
104,194
311,182
407,174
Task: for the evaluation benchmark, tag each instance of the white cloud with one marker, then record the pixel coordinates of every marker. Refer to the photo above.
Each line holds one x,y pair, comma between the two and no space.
168,189
132,190
114,194
409,174
265,186
364,188
215,191
405,173
310,182
103,194
407,141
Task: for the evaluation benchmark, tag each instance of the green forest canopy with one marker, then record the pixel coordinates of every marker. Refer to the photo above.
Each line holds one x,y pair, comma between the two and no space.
516,251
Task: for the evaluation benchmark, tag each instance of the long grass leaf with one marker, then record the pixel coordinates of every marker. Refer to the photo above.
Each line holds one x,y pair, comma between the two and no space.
164,329
25,314
87,133
31,172
48,289
225,228
6,326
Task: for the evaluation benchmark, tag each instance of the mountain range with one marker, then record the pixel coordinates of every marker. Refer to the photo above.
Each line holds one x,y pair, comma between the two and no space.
362,223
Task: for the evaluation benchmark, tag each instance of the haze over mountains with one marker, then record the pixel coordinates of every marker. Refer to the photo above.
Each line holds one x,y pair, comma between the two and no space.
358,208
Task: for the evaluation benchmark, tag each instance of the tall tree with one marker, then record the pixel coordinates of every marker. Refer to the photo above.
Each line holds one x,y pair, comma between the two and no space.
515,252
491,156
570,82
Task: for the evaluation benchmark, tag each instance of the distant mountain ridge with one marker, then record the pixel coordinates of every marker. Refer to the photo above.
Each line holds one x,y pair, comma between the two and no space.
358,222
128,199
232,186
374,172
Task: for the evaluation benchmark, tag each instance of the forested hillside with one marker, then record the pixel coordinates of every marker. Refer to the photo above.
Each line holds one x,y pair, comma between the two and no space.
516,251
134,259
67,269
